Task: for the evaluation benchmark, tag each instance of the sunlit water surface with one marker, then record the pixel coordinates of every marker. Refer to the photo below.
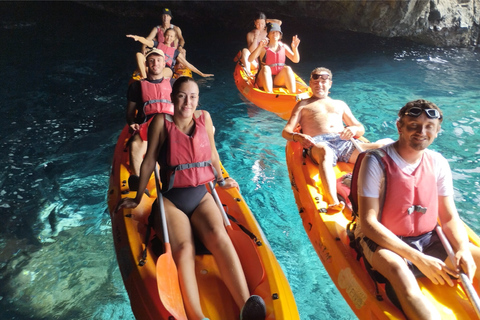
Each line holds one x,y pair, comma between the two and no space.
64,71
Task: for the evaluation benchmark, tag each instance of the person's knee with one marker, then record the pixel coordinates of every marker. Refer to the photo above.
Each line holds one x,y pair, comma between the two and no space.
322,152
184,249
400,276
215,237
167,72
289,70
266,71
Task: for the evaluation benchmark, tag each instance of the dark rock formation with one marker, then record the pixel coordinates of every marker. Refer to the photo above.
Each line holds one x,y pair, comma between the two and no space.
441,23
434,22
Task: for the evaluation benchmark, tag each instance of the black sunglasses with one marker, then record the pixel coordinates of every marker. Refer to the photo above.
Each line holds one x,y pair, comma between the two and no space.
417,111
315,76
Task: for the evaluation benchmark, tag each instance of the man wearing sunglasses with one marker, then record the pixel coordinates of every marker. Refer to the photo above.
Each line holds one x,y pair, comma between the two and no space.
402,193
327,127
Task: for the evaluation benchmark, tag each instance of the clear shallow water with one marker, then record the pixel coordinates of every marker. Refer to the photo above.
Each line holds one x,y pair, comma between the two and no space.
64,71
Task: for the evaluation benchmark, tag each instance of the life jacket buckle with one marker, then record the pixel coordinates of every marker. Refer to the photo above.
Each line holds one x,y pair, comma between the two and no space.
417,208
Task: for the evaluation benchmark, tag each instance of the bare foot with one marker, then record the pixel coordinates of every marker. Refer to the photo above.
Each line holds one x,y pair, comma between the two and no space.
336,207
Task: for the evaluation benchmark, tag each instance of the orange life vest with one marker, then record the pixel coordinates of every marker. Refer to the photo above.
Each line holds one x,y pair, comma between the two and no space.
186,160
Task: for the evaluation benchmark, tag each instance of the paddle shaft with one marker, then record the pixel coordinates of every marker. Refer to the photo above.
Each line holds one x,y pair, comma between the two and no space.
219,204
160,205
166,269
469,289
357,145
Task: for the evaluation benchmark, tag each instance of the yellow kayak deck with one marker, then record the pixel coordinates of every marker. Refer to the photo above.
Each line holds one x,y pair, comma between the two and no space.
327,232
129,228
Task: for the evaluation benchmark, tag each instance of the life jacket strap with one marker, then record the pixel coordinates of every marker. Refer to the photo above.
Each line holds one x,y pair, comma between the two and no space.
185,166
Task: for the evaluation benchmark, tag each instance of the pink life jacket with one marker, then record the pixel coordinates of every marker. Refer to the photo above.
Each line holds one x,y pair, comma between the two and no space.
411,204
411,200
156,97
169,54
161,35
186,160
275,60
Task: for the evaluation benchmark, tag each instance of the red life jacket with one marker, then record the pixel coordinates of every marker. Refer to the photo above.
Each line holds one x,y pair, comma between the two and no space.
186,160
156,97
411,200
161,35
169,54
275,60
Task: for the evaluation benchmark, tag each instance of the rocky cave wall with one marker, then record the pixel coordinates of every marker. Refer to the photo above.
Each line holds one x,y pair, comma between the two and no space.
442,23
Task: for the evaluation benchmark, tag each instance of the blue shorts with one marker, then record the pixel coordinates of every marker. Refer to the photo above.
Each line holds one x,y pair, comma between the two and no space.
342,149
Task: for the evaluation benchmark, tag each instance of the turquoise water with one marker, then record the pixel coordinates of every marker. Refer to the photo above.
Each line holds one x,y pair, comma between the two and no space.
64,105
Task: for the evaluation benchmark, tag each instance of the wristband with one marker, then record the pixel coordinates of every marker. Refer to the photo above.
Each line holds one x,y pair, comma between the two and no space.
221,182
293,136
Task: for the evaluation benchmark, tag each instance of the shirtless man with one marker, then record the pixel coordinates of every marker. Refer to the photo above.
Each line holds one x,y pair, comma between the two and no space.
324,134
254,37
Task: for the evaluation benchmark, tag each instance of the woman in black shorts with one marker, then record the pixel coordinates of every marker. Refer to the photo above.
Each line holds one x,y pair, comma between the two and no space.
172,140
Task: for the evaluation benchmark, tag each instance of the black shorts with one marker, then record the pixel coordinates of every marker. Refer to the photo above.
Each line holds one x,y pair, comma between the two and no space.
428,243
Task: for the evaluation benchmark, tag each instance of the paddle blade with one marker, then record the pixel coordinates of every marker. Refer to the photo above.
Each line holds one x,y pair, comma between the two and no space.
249,257
168,286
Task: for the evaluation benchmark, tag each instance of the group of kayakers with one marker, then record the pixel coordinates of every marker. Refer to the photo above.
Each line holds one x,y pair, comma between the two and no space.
401,195
399,206
179,135
267,54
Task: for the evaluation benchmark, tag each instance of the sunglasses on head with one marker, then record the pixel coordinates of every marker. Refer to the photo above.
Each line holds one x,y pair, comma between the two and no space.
417,111
316,76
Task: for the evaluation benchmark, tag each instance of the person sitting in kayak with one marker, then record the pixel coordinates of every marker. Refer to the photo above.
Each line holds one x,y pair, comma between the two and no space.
157,34
189,208
324,134
272,53
172,55
399,240
146,98
253,40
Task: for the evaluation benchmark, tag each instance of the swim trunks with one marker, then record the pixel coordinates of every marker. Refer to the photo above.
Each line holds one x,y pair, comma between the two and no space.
428,243
342,149
186,199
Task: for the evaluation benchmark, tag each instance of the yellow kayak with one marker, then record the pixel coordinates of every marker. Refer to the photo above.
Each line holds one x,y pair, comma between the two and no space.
328,235
264,274
280,102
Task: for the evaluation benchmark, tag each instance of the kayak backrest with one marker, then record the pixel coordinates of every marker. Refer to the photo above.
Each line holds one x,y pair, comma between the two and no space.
353,196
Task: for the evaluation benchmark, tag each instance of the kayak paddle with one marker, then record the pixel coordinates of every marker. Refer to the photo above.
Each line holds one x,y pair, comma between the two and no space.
167,275
469,289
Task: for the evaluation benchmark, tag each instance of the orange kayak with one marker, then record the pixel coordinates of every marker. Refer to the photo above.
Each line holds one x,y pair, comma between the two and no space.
280,102
328,235
264,274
